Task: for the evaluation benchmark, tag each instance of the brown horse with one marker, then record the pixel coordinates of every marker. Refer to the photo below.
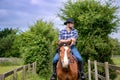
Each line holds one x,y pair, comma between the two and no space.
67,68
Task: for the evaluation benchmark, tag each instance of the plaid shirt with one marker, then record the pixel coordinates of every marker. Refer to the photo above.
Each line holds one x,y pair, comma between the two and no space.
63,34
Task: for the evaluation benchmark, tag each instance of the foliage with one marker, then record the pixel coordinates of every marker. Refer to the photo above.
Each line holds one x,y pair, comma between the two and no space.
115,47
94,21
7,37
6,31
36,44
4,69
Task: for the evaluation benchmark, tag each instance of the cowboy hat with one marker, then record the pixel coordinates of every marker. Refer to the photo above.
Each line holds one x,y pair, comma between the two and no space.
69,20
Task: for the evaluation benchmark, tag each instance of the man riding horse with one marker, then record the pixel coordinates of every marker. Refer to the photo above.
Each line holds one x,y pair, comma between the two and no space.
66,35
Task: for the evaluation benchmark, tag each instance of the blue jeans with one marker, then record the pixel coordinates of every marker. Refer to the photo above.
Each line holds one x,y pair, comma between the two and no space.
75,53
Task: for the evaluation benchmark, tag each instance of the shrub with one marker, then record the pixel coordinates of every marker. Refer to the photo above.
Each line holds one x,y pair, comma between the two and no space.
36,44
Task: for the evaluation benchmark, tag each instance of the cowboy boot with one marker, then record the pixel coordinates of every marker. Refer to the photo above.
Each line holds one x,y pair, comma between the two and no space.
81,72
54,75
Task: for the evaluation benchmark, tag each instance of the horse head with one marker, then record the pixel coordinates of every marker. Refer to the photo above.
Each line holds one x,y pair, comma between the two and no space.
64,53
67,68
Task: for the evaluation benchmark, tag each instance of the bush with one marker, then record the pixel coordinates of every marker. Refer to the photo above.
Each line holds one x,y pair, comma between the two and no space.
36,44
7,46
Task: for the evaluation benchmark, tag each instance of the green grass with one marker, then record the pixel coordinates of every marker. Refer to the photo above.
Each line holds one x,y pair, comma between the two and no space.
7,66
116,60
13,64
10,64
4,69
34,77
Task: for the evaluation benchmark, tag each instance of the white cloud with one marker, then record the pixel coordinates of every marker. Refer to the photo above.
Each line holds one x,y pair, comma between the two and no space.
36,2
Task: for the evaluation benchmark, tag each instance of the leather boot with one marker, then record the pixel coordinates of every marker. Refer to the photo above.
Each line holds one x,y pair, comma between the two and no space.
54,75
81,71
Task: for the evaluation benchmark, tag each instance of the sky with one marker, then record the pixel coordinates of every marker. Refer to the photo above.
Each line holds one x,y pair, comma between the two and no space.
23,13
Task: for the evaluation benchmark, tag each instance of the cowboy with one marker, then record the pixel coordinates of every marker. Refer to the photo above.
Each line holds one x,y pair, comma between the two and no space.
66,35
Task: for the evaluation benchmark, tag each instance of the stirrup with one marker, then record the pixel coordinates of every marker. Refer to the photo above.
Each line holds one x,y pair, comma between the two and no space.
82,76
53,77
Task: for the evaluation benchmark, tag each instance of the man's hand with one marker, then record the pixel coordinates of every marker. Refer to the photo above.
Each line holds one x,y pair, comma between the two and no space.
73,41
63,40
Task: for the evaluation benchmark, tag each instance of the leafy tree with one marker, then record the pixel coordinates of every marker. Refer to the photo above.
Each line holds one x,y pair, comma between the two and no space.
6,31
94,21
7,37
36,44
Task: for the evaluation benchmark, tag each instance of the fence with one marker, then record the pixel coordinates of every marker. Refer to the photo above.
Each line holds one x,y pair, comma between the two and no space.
26,69
106,67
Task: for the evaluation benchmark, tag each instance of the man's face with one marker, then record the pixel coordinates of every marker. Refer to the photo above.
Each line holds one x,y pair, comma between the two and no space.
70,25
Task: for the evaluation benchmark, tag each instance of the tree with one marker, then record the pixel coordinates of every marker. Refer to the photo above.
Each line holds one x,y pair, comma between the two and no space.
6,31
94,21
36,44
7,37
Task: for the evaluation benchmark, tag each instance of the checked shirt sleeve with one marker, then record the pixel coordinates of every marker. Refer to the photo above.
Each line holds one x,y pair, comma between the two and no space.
60,35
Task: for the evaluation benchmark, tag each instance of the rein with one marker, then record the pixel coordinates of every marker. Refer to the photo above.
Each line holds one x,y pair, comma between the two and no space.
65,44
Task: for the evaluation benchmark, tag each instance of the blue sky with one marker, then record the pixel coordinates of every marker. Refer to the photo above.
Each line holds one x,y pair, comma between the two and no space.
23,13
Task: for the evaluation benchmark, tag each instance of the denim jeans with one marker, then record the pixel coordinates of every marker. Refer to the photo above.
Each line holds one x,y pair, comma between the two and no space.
75,53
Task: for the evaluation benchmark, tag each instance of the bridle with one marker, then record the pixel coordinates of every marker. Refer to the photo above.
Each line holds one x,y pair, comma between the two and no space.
65,44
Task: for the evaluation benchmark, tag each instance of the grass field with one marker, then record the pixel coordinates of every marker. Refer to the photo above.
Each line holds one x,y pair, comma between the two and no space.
13,64
4,67
116,60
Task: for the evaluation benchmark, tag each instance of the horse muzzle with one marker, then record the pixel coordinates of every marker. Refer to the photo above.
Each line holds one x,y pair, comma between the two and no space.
65,64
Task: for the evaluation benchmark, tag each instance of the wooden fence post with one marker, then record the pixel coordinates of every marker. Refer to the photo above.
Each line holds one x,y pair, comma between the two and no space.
35,66
106,71
2,77
23,75
15,75
28,68
96,71
89,70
